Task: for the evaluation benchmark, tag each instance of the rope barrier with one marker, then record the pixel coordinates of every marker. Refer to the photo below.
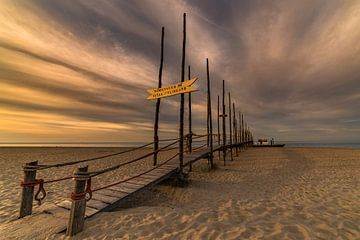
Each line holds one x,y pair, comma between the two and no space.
89,191
41,189
196,148
42,167
96,173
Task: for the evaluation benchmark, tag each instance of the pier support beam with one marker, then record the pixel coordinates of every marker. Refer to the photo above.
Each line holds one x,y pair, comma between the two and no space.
28,185
78,206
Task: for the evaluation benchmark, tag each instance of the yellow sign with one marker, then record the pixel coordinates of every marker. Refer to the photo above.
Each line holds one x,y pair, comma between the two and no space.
175,89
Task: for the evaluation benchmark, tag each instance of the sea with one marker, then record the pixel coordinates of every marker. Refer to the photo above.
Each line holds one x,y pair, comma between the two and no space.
134,144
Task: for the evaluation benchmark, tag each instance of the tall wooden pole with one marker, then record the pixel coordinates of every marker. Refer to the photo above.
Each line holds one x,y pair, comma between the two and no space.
182,100
230,129
242,129
190,127
157,110
218,119
239,131
224,122
210,136
235,129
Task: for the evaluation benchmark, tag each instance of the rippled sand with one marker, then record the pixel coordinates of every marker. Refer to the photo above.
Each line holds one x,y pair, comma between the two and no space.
283,193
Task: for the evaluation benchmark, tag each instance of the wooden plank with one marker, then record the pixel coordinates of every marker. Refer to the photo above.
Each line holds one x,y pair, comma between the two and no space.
66,204
96,204
112,193
104,198
139,182
150,178
124,188
90,211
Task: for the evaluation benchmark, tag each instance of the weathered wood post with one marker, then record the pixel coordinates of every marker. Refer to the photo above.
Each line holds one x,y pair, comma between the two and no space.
218,123
239,130
235,130
210,136
242,130
190,126
78,206
28,186
157,110
182,100
223,122
230,129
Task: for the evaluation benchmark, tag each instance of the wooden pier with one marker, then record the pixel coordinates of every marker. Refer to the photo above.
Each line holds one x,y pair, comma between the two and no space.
86,200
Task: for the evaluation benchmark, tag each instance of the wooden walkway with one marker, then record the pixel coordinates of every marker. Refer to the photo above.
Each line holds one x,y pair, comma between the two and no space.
107,199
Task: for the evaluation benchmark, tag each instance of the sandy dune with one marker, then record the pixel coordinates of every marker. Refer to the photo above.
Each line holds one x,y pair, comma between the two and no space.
288,193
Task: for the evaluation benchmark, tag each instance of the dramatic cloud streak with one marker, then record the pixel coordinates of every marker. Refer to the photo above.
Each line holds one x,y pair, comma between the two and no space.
77,70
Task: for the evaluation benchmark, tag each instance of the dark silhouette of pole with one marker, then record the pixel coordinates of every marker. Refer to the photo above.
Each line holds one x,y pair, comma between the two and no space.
182,100
230,129
190,127
223,122
210,137
239,131
235,130
218,119
157,110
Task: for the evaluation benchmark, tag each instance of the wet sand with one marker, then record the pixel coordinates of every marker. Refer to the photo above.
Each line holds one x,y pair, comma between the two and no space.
283,193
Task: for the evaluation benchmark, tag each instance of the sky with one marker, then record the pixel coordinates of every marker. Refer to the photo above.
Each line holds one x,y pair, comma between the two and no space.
78,71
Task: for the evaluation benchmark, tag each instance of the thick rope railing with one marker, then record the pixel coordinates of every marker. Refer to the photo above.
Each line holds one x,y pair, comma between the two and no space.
40,195
96,173
47,166
88,192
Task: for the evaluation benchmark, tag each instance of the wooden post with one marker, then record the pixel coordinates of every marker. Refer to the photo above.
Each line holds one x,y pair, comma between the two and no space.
242,128
230,129
210,137
27,194
190,127
239,131
218,119
235,130
77,211
218,123
223,121
182,100
157,110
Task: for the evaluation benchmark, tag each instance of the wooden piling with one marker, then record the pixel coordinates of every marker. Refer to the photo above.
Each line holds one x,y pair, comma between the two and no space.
230,129
235,129
27,194
77,211
224,122
210,136
239,131
218,123
182,100
190,124
157,110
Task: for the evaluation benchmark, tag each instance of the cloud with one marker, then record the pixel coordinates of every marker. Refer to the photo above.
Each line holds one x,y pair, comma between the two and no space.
292,66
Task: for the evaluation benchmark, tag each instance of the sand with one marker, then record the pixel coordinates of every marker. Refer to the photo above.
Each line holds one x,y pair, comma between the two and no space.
283,193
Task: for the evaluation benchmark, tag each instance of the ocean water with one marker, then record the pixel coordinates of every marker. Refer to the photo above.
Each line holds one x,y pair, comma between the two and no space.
135,144
320,144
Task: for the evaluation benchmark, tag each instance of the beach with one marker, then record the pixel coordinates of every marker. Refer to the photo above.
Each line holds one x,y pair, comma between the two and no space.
275,193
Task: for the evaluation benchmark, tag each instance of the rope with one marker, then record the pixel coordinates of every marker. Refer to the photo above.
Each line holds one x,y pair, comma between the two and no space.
88,190
200,147
42,167
41,189
80,196
95,173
